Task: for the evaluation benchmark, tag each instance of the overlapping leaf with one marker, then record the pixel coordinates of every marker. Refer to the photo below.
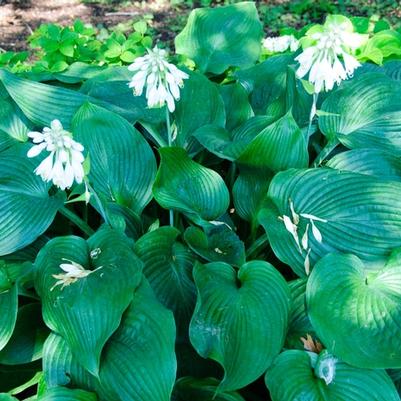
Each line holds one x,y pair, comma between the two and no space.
218,38
358,214
356,312
123,165
186,186
21,191
299,375
92,303
138,361
240,318
366,113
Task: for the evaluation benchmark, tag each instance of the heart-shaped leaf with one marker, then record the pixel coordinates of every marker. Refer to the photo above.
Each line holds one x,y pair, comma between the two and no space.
123,166
365,113
184,185
340,211
240,319
222,37
138,362
299,375
357,312
167,264
105,272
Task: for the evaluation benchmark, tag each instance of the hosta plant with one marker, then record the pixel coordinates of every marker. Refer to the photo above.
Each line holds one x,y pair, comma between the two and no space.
229,231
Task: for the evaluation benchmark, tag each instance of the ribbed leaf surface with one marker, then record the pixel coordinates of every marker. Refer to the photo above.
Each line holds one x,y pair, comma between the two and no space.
26,210
184,185
240,318
218,38
357,312
123,166
362,215
293,377
93,304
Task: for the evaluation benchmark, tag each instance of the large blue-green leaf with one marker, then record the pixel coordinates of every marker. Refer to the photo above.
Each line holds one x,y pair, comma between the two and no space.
365,113
299,375
94,302
218,38
27,209
240,319
201,100
167,264
354,213
266,84
357,312
368,161
186,186
138,362
123,166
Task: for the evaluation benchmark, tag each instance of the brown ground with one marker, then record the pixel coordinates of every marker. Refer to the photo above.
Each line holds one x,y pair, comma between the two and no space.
18,18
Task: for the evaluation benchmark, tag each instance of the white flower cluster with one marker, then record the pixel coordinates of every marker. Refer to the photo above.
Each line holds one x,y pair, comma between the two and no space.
324,45
64,163
281,44
162,79
291,225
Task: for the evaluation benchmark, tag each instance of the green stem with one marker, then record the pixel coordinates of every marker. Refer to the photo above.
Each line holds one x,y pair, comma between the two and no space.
84,227
257,245
98,201
154,134
170,141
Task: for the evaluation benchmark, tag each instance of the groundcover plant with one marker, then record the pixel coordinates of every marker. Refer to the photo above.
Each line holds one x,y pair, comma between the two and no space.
209,225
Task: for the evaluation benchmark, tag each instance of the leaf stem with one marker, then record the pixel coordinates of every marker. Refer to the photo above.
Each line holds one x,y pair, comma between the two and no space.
259,243
170,141
82,225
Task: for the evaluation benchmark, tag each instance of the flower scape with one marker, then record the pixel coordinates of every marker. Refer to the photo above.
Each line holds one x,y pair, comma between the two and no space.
219,222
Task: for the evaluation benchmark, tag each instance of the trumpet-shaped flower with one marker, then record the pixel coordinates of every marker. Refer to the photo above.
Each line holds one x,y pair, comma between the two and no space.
64,163
323,46
162,79
281,44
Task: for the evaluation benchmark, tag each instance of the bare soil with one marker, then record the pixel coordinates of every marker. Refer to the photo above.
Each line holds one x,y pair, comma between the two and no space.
18,18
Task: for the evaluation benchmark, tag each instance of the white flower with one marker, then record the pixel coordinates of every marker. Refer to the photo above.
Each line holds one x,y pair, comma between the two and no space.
323,45
64,163
162,79
73,272
281,44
